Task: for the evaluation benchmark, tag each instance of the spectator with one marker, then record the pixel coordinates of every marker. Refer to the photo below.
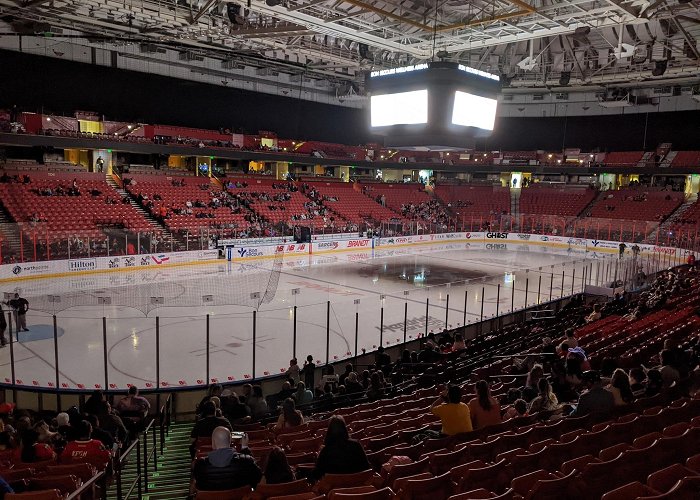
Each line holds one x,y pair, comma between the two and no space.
546,400
213,390
594,316
44,433
132,407
344,375
278,469
383,360
454,414
100,434
86,449
209,421
93,404
595,399
302,395
636,381
376,387
654,383
340,454
31,450
285,392
111,422
293,371
620,388
289,418
224,468
519,409
233,408
309,372
530,391
352,386
459,343
484,409
570,338
63,426
669,374
3,324
257,403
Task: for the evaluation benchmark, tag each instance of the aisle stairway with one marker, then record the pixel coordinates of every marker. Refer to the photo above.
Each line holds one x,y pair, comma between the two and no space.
172,481
665,225
157,225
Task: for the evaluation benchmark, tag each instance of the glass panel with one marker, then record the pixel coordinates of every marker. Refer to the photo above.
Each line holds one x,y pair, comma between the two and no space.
131,348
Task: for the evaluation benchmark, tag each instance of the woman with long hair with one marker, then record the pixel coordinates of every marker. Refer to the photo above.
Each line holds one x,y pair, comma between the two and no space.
484,408
340,454
546,400
289,418
620,387
278,469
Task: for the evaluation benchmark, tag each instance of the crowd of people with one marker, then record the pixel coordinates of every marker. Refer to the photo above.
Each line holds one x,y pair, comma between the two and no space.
94,433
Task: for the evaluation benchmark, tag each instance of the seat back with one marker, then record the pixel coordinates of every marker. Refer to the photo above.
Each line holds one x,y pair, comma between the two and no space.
665,479
331,481
427,489
233,494
264,491
35,495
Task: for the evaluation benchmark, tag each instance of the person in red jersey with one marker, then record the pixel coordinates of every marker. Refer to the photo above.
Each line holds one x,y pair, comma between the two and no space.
85,449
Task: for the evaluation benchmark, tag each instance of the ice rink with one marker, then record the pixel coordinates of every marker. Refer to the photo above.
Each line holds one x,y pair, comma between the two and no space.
219,300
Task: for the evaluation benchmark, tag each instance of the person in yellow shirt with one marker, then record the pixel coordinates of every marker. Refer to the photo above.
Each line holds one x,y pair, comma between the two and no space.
454,414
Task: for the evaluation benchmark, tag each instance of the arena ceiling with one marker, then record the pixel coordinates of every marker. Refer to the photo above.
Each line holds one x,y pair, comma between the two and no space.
334,43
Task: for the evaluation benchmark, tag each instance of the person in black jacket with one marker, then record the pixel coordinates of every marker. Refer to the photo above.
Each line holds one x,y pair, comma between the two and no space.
224,468
340,454
206,425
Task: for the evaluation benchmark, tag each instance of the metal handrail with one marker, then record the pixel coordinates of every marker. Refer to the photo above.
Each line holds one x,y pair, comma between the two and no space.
141,475
100,476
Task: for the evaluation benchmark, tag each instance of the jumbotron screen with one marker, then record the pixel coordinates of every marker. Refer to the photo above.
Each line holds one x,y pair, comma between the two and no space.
471,110
438,105
404,108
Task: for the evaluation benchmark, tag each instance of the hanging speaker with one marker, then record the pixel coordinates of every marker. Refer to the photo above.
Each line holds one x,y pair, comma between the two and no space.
363,49
659,68
564,78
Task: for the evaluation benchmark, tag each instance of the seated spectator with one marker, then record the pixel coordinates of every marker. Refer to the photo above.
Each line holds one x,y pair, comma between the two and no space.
546,400
459,343
213,390
224,468
209,421
484,409
31,450
669,374
133,408
570,338
454,414
302,395
376,387
595,315
636,381
654,384
86,449
99,434
278,469
519,409
93,403
233,408
257,403
289,418
594,399
340,454
530,391
63,426
111,422
620,388
352,386
285,392
44,433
